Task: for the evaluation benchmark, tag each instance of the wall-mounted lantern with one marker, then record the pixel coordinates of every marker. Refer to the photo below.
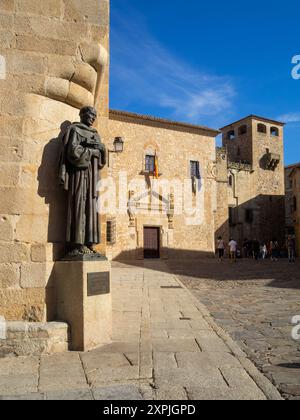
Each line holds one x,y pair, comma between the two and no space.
118,147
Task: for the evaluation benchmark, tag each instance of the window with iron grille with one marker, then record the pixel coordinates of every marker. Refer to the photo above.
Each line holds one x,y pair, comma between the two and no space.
149,163
195,169
111,231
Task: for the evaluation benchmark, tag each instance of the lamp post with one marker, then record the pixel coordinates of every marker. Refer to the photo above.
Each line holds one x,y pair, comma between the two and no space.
118,147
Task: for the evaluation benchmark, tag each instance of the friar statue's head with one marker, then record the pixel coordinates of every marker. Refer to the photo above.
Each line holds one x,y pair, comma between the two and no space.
88,115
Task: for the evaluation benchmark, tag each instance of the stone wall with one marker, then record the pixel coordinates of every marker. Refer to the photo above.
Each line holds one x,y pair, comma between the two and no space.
30,339
175,145
54,60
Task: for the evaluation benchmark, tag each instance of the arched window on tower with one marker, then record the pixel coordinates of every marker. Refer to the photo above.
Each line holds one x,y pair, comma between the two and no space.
243,130
262,128
231,135
274,132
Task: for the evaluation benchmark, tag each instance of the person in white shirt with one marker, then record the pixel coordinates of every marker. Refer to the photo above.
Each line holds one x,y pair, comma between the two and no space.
233,249
221,248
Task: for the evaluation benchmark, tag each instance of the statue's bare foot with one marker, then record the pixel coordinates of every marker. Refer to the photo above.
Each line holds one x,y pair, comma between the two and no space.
86,250
82,250
79,250
74,253
92,251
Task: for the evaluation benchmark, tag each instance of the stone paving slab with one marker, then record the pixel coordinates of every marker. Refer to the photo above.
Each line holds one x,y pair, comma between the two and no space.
118,392
215,359
23,397
207,376
171,392
215,394
18,384
209,341
164,347
61,372
19,375
175,345
20,365
108,376
70,395
120,347
97,360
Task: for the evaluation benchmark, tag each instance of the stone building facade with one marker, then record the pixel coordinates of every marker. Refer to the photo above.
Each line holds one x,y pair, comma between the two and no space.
167,195
295,181
167,202
250,170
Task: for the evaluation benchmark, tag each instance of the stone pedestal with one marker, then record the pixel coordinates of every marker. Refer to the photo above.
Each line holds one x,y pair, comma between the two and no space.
84,302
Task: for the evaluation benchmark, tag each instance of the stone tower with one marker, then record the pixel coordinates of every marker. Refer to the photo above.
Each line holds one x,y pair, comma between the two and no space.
255,176
54,60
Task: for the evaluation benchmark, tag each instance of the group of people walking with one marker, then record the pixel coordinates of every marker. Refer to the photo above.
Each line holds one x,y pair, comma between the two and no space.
221,248
256,250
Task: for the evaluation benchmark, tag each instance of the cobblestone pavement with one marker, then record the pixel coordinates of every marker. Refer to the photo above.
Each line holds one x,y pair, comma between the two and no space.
254,302
165,346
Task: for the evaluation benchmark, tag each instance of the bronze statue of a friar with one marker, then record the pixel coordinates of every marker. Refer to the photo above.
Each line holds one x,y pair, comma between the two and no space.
82,157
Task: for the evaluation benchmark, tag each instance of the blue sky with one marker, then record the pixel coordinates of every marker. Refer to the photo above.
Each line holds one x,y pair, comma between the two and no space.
208,62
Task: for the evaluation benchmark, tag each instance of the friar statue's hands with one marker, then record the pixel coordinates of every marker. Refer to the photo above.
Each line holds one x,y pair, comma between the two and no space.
96,153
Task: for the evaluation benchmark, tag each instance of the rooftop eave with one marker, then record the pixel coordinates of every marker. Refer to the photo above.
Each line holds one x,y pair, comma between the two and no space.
255,117
293,165
294,170
162,121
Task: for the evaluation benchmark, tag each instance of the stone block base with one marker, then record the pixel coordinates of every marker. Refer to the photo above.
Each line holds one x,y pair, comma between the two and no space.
84,302
33,339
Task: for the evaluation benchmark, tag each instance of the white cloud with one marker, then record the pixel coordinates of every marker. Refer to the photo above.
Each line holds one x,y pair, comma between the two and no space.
292,117
143,71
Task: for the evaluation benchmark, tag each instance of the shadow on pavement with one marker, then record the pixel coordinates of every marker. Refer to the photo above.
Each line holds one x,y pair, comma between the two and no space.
280,274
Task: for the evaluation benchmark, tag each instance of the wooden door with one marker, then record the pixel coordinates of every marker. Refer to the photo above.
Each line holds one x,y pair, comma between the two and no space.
151,242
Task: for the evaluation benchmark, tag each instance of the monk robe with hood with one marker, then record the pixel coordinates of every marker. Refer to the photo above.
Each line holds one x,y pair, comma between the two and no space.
79,176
